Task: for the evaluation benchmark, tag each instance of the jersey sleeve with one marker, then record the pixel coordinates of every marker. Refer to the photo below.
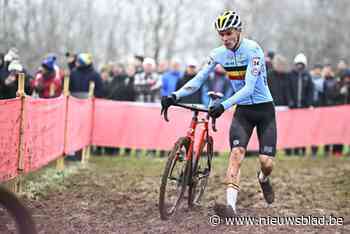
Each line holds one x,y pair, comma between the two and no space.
196,82
254,69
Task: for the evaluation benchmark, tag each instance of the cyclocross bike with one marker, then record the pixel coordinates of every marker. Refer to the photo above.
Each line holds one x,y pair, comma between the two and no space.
10,204
187,166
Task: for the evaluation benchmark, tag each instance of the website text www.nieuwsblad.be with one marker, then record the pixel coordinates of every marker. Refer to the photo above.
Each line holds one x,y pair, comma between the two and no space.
330,220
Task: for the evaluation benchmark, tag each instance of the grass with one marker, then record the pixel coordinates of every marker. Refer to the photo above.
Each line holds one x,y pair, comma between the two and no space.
321,183
37,183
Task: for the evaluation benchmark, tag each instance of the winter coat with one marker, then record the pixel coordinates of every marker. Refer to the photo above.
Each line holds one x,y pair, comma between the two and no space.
301,89
122,88
48,86
279,85
80,81
169,81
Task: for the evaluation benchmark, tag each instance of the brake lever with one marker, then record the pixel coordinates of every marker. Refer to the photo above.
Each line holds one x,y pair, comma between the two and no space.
165,112
213,124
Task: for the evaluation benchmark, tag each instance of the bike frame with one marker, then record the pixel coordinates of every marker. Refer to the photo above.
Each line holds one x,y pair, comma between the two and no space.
188,176
191,133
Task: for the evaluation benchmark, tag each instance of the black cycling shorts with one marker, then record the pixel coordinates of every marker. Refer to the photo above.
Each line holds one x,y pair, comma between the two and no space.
262,116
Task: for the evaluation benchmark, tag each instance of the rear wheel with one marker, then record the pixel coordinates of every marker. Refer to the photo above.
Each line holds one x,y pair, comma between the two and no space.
10,204
173,184
200,174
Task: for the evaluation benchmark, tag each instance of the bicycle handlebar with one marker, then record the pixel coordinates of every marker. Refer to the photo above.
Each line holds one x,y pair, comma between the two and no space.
191,107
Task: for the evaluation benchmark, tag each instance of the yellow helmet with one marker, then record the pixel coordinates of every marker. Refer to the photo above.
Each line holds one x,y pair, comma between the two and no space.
228,19
85,59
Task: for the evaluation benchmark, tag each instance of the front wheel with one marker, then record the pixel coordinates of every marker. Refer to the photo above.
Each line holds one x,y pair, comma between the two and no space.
174,181
200,173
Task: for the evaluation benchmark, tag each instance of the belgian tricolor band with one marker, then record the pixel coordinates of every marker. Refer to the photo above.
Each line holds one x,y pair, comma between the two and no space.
236,73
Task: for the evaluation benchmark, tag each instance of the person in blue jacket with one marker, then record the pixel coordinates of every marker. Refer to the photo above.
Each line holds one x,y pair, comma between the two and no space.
171,78
244,62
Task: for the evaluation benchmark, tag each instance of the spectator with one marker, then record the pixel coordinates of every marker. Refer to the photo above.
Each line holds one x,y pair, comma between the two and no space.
341,67
147,87
71,61
331,97
331,86
81,76
190,72
122,89
147,83
9,76
345,87
116,85
279,82
170,78
301,83
162,67
79,84
48,80
129,83
318,95
125,92
106,81
217,82
117,69
116,92
301,87
318,83
269,60
11,82
122,86
5,62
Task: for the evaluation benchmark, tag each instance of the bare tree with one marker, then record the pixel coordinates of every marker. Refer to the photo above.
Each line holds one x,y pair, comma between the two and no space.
114,30
173,34
157,27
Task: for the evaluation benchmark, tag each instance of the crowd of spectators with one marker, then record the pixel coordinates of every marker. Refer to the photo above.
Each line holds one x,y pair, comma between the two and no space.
300,87
146,80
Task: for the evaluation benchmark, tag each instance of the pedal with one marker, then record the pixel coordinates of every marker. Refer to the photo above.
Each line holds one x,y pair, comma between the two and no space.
204,173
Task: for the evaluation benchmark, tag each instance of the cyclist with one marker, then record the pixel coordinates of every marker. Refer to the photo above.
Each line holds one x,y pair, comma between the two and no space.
244,63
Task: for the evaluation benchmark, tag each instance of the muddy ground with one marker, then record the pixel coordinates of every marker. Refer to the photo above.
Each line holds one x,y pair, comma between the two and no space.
120,195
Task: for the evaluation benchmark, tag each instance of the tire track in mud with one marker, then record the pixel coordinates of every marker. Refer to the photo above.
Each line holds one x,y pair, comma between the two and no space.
123,199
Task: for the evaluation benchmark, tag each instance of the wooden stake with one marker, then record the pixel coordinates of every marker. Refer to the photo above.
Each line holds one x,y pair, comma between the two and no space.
17,186
21,82
83,156
60,161
87,150
91,89
66,86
